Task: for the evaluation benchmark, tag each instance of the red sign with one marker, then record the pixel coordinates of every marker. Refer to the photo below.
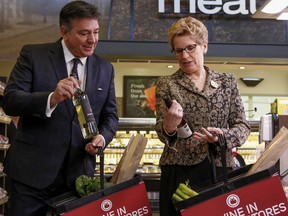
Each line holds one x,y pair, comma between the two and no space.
132,201
263,198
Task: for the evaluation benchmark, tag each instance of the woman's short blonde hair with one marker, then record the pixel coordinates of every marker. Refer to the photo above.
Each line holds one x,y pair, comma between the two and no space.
188,26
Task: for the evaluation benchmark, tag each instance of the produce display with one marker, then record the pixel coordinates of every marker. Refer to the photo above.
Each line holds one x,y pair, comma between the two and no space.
86,185
183,192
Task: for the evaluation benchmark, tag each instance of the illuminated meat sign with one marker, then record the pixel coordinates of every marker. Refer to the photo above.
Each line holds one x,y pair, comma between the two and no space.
232,7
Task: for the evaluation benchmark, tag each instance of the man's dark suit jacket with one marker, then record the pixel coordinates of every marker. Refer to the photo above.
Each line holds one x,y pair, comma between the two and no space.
41,144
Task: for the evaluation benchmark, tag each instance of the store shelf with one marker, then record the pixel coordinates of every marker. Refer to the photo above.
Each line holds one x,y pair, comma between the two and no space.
4,146
149,161
137,124
251,149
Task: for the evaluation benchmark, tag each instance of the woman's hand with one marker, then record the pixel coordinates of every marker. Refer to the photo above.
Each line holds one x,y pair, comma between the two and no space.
209,134
172,117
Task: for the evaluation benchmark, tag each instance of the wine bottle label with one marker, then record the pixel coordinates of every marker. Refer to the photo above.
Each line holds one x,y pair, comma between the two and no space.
184,131
87,109
85,115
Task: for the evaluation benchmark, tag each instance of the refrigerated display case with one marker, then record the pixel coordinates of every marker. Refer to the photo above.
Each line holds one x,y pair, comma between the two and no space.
128,127
251,149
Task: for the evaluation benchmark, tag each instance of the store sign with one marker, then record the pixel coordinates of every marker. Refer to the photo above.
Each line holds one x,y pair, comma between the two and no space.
232,7
263,198
139,96
132,201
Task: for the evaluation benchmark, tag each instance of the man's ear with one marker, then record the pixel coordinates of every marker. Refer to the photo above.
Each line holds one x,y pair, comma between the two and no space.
63,31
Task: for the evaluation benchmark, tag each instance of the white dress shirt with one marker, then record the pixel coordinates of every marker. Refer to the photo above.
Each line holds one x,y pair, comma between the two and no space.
81,69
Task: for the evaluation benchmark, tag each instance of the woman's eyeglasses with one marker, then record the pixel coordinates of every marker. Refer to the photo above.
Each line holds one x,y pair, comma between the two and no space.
189,49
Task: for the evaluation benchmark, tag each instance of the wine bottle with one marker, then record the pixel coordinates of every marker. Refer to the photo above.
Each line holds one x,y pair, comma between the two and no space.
183,129
85,115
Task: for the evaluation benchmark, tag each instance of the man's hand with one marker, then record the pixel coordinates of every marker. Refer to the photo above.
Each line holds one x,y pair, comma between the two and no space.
64,90
91,147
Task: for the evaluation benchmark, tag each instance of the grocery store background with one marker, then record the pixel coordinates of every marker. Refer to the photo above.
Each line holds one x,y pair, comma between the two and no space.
133,37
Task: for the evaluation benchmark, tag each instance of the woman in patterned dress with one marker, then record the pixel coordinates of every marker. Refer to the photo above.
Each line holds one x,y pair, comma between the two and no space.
211,104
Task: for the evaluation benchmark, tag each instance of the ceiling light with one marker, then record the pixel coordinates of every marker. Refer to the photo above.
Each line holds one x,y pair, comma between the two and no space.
170,66
275,6
251,81
242,67
283,16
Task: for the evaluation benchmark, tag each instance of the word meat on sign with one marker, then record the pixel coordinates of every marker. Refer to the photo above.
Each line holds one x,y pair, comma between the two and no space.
232,7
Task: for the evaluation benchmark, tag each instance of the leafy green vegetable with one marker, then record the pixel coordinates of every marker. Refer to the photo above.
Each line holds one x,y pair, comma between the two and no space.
86,185
82,185
108,184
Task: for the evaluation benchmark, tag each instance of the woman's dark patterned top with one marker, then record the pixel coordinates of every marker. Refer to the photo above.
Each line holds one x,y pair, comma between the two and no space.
218,105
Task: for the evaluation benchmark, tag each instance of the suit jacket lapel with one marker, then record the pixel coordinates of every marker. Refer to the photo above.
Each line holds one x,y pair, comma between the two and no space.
58,61
91,77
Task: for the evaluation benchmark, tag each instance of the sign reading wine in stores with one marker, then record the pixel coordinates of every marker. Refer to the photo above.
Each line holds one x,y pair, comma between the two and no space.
132,201
263,198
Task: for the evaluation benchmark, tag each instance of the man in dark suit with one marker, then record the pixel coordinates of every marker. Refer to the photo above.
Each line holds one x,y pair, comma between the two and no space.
49,151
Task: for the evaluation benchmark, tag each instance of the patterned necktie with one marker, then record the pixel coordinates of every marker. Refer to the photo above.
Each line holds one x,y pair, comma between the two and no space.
74,72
